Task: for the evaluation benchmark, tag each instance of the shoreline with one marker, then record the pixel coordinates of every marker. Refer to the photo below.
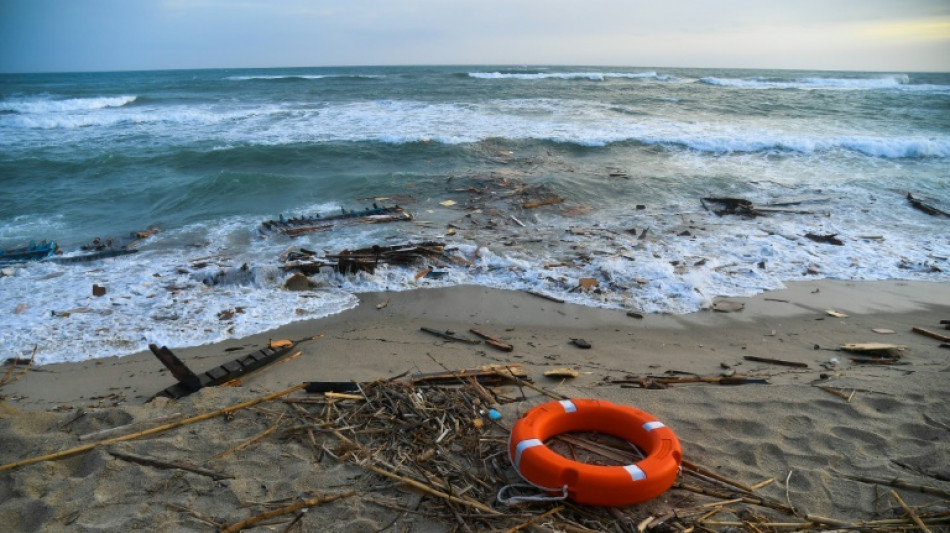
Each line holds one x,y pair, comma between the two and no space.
815,437
390,342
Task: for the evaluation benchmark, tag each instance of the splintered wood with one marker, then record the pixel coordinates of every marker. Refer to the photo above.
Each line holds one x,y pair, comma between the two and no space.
440,442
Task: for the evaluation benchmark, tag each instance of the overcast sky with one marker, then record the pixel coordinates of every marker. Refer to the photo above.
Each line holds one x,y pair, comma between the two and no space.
96,35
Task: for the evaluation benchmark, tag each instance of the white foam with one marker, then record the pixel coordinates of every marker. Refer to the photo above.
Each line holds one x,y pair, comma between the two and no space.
397,122
900,82
65,105
171,293
592,76
301,76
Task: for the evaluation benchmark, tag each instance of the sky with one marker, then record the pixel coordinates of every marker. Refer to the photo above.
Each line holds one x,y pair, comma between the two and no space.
108,35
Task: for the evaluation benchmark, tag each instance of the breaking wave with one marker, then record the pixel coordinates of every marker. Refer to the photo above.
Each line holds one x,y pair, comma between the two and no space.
64,105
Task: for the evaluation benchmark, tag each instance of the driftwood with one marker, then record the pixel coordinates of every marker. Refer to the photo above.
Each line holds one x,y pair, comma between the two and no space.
485,375
930,210
539,203
828,239
86,447
493,341
931,334
299,225
222,374
656,382
732,206
775,361
449,335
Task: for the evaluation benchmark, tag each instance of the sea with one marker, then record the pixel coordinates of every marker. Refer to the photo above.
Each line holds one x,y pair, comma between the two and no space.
819,165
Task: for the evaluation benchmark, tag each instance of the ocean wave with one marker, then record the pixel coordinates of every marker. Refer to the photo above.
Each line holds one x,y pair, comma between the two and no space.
64,105
592,76
896,81
302,76
405,121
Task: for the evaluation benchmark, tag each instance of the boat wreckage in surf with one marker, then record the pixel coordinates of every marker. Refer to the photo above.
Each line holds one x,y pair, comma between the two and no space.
306,224
363,259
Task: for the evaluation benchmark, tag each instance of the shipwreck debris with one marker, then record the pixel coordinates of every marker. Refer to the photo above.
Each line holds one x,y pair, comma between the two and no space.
449,335
189,382
929,209
493,341
364,259
306,224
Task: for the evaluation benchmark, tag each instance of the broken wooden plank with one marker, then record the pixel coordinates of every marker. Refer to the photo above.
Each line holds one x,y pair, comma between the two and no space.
331,386
562,372
449,335
485,375
775,361
231,370
188,379
931,334
828,239
872,348
649,381
539,203
493,341
929,209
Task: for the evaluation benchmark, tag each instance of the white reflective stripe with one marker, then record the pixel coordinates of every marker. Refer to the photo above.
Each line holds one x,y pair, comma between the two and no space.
635,472
521,447
650,426
569,406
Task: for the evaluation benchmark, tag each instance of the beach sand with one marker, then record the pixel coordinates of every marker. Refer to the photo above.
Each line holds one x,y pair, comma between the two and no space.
886,422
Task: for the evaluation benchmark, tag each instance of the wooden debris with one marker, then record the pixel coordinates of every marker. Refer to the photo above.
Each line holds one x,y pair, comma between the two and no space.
651,382
873,348
581,343
775,361
732,206
189,382
331,386
152,431
493,341
836,314
562,372
930,210
827,239
931,334
883,331
545,296
485,375
449,335
186,378
300,225
539,203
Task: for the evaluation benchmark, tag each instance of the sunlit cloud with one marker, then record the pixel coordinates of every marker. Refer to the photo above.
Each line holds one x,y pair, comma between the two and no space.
912,30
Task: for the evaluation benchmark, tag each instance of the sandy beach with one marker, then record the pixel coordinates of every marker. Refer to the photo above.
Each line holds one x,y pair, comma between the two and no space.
830,432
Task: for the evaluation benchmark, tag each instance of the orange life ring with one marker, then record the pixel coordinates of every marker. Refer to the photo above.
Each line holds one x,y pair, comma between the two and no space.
593,484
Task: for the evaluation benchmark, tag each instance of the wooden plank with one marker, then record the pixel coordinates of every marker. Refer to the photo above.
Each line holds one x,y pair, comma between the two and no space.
493,341
182,373
449,335
775,361
931,334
